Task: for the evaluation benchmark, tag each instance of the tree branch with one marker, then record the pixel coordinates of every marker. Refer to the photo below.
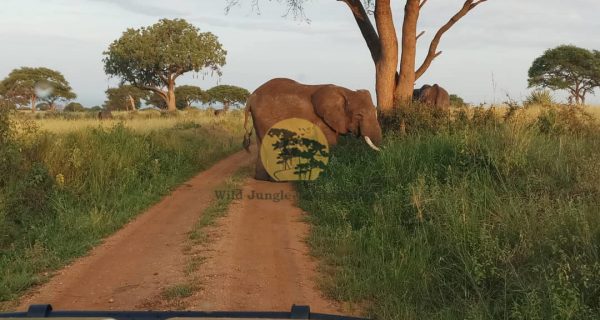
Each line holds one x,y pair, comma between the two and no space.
422,4
420,34
433,53
153,89
366,28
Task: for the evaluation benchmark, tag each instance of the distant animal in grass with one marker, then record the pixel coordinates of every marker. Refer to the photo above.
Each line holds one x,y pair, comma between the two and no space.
105,115
221,112
432,95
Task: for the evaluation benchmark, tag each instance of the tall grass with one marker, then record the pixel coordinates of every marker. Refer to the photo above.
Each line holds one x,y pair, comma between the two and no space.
60,193
493,219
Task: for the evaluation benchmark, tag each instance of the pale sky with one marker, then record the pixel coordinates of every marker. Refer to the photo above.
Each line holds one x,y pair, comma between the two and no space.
493,47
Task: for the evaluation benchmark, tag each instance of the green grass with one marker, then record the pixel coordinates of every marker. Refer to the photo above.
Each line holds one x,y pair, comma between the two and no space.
61,193
495,221
178,291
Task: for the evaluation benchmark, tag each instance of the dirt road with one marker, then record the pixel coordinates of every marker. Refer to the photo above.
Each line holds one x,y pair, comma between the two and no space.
256,261
259,260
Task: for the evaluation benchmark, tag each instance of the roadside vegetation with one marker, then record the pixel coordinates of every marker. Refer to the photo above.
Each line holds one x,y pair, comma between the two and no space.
474,214
65,185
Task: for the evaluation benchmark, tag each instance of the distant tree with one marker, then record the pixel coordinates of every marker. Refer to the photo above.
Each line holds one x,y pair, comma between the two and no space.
29,84
456,101
74,107
60,92
96,108
125,97
569,68
152,58
186,95
227,95
394,78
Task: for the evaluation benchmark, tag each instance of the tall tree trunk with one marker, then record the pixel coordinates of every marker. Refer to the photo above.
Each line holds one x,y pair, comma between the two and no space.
406,80
33,100
171,105
131,103
385,67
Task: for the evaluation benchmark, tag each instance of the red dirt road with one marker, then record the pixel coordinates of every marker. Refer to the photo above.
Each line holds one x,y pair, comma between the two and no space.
259,260
256,258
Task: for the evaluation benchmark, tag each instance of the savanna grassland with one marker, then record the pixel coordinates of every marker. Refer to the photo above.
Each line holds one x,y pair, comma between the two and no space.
68,180
476,214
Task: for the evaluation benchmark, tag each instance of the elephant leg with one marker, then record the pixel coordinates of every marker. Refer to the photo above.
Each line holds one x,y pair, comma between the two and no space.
260,173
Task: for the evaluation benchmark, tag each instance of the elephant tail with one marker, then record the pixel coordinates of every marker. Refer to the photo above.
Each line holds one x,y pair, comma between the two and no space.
248,131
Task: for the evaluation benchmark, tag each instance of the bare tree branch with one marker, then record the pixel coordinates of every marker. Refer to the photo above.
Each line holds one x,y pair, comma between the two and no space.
432,53
366,28
420,34
422,4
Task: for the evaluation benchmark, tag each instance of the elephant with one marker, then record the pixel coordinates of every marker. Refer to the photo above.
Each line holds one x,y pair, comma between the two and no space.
333,109
105,115
432,95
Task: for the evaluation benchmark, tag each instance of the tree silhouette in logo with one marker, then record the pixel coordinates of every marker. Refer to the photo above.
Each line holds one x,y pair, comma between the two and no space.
285,145
304,152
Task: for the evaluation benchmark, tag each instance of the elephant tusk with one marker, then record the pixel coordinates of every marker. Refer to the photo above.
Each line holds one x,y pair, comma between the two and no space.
370,143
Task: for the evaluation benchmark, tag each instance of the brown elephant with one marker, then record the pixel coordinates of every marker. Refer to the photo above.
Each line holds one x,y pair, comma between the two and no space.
105,114
334,109
432,95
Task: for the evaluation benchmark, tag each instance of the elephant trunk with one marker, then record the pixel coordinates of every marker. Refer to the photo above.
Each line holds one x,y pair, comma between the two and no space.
371,132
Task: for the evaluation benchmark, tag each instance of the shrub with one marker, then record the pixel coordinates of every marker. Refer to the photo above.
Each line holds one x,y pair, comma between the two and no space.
566,120
415,118
457,101
539,97
74,107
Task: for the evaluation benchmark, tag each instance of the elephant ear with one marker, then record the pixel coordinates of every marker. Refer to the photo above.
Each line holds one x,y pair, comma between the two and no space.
330,104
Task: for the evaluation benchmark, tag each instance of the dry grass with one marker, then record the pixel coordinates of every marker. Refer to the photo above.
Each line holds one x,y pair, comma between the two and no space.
141,121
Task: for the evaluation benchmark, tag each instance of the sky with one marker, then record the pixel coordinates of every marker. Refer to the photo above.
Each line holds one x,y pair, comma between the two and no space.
485,57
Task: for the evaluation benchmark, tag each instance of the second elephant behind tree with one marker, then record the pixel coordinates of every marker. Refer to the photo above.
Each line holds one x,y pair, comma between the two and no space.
432,95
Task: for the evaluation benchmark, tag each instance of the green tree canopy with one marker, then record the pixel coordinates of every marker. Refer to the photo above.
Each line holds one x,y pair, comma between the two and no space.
74,107
153,57
186,95
125,97
567,67
29,84
227,95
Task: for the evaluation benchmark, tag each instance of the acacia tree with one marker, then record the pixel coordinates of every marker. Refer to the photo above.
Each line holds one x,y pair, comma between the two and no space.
227,95
152,58
29,84
394,78
567,67
186,95
59,93
125,97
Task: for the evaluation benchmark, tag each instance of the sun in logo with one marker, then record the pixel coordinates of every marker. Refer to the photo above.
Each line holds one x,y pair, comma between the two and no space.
294,149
